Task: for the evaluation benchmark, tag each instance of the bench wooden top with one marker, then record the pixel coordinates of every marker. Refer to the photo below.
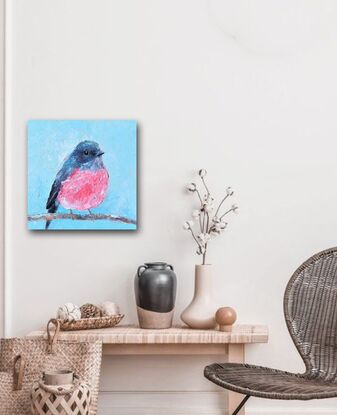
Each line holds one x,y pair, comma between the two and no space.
130,334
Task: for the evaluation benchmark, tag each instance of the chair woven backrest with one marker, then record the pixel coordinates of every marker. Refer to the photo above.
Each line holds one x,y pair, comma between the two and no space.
310,308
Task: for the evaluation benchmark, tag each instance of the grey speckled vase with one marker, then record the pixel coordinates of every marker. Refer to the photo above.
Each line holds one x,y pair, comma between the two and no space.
155,291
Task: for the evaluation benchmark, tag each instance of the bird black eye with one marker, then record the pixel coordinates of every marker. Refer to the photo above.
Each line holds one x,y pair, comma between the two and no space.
86,152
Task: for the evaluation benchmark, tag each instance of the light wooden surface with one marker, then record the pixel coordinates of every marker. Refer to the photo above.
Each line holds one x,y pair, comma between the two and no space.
131,340
127,335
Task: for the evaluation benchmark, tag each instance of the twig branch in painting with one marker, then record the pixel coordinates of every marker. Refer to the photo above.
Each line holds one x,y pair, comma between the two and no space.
74,216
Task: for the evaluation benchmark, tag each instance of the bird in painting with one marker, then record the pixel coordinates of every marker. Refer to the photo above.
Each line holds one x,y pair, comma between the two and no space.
82,182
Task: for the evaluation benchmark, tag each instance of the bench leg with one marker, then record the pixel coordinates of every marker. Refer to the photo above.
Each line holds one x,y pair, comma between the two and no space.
236,354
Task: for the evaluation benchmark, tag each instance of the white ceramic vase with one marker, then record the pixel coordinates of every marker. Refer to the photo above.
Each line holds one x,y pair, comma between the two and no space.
200,314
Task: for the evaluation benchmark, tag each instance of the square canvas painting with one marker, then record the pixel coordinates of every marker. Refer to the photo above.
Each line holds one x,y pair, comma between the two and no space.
82,175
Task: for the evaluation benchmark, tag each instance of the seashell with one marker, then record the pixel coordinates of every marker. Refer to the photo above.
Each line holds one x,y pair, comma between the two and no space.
69,312
109,308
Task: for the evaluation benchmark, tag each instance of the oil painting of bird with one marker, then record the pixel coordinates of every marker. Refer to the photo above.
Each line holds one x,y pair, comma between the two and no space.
82,182
82,175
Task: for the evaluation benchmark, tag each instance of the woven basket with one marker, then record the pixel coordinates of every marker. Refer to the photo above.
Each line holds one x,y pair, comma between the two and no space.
10,404
39,355
91,323
12,395
51,400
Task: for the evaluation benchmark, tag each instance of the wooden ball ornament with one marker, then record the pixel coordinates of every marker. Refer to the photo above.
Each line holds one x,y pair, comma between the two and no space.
225,317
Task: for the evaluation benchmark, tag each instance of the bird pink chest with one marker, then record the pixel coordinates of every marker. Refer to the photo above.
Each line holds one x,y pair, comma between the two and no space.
84,189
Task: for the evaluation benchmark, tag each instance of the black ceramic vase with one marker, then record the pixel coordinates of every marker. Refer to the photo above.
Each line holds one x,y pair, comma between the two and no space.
155,290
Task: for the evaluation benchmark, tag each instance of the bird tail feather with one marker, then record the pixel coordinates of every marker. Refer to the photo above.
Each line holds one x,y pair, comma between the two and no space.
52,209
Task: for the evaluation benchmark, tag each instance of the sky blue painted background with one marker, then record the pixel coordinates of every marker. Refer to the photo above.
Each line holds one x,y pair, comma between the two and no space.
50,142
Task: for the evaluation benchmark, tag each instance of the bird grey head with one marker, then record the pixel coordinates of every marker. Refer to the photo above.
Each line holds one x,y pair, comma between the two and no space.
86,152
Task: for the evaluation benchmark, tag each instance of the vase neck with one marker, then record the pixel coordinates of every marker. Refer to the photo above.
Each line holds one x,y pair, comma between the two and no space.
203,280
156,265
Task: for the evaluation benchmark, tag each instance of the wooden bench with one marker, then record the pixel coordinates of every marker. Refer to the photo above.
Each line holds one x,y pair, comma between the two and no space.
178,340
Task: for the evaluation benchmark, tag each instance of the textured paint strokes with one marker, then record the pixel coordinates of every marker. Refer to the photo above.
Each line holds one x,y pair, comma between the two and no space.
84,189
82,165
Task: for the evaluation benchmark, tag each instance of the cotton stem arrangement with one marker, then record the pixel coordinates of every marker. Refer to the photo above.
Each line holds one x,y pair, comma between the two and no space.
209,219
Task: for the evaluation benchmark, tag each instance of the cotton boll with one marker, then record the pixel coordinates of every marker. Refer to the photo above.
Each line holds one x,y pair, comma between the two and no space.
229,191
69,312
192,187
188,225
109,308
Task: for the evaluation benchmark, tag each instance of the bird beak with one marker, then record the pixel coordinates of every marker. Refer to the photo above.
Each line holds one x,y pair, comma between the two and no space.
100,154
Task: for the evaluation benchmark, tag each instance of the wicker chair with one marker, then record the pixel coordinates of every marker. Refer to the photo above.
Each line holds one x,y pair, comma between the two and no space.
310,309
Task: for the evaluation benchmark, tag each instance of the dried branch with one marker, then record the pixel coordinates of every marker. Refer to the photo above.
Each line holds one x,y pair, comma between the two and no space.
74,216
194,237
207,216
205,185
221,203
199,196
232,209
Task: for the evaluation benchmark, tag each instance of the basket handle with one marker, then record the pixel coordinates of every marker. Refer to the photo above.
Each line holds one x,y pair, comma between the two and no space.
52,339
18,373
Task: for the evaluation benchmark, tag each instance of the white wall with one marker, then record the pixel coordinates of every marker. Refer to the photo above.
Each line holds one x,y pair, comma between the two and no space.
2,159
246,89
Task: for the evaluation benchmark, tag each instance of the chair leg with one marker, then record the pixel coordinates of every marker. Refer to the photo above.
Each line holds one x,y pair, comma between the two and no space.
241,404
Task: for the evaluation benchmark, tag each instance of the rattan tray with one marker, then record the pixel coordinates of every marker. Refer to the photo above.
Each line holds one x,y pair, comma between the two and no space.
91,323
